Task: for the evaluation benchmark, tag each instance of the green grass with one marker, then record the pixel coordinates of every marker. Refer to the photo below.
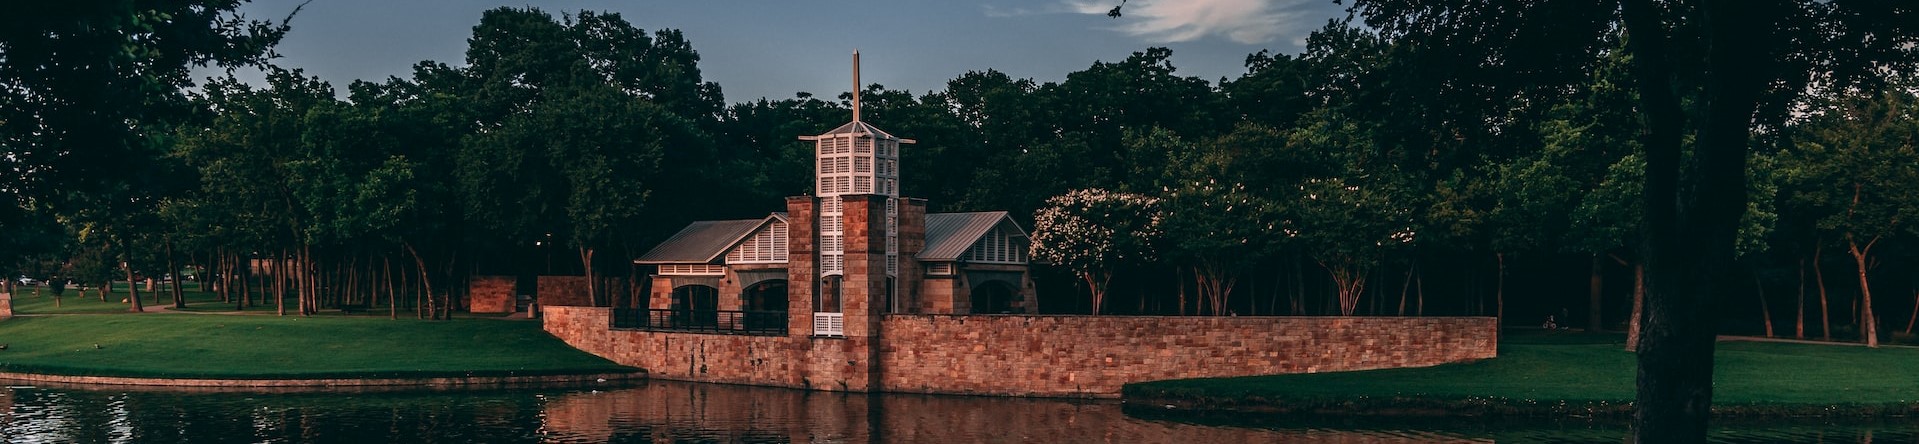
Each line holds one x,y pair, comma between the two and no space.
179,345
1545,373
73,301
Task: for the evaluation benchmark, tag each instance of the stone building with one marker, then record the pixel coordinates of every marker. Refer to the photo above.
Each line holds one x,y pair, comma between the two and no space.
732,273
857,289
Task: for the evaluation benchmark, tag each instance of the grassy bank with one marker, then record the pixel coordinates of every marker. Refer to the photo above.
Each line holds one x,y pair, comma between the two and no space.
168,345
1546,374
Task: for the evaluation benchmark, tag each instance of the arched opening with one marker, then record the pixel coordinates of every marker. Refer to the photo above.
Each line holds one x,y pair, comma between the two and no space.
696,305
765,304
993,297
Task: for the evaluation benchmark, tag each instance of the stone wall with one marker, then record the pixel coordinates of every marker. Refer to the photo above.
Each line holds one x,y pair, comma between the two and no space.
490,294
1095,355
735,359
562,290
1065,356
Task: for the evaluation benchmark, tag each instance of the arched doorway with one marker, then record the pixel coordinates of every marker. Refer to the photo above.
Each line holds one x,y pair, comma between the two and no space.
696,306
993,297
765,305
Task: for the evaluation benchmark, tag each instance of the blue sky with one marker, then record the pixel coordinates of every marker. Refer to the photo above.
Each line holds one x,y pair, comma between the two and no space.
775,48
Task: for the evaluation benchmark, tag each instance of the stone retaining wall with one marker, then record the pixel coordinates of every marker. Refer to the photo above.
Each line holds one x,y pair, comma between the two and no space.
1021,355
491,294
1096,355
562,290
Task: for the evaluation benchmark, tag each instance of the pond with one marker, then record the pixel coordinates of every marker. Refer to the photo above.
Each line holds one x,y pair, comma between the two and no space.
664,411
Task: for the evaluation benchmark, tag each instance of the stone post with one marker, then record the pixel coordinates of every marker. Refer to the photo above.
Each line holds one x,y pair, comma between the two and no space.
865,287
802,272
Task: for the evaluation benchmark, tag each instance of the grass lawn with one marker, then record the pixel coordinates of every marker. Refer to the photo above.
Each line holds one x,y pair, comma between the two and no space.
181,345
1539,372
74,301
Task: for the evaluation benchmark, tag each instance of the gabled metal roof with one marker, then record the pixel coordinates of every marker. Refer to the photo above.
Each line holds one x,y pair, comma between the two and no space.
948,235
704,241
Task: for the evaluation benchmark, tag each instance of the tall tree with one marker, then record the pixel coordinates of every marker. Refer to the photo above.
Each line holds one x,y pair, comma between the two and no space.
1856,170
1703,69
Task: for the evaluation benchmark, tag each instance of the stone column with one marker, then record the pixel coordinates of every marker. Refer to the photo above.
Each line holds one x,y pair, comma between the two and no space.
802,264
6,305
912,242
865,287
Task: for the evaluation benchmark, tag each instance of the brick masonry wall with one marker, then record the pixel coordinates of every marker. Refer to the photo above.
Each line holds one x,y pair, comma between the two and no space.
1066,356
491,294
562,290
6,305
1095,355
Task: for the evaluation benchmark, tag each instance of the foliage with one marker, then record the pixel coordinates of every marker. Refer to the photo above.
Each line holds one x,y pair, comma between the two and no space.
1095,232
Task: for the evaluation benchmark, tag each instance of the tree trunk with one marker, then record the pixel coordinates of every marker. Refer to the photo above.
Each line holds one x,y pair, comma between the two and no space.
1406,286
1595,303
1638,306
1691,227
173,269
1819,279
1419,286
133,289
392,303
426,283
1799,320
1499,292
279,285
1765,311
1868,324
1915,312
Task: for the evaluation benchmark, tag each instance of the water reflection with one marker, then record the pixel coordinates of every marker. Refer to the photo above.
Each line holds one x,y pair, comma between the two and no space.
663,412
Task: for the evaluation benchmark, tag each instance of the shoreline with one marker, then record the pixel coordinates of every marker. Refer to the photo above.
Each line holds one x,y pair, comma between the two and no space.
466,381
1415,407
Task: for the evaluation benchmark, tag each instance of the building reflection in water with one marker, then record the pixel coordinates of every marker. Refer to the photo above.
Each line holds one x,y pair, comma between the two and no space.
676,412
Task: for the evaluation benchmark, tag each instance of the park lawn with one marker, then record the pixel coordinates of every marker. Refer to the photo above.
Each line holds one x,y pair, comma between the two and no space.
74,301
179,345
1561,373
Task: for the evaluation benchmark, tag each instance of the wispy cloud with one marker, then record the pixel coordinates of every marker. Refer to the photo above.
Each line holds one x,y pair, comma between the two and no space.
997,11
1243,21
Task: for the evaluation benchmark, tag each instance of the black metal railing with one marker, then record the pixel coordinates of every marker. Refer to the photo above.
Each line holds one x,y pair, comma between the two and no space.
767,323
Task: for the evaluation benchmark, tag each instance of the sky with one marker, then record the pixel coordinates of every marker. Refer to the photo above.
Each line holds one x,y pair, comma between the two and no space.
776,48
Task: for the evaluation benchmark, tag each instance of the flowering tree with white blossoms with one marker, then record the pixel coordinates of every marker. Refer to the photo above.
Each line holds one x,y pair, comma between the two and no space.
1094,232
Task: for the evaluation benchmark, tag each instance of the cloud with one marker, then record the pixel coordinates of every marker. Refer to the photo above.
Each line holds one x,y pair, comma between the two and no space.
1243,21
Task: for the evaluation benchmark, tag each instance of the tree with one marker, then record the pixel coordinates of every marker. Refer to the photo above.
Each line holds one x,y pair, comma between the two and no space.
1218,216
1094,233
88,90
1856,161
1703,69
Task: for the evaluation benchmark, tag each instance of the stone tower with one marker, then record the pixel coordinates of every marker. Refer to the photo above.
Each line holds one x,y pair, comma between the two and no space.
856,163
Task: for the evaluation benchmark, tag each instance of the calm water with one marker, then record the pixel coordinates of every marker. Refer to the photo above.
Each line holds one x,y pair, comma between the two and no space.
670,412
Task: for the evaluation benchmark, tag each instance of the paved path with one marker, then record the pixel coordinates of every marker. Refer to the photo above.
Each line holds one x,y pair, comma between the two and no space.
1731,338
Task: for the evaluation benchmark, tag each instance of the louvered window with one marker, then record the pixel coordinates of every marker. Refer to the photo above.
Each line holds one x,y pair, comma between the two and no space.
999,245
693,270
767,246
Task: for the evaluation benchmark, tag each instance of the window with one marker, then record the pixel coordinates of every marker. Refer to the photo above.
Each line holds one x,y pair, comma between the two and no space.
692,270
1000,245
863,185
939,269
862,164
767,246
